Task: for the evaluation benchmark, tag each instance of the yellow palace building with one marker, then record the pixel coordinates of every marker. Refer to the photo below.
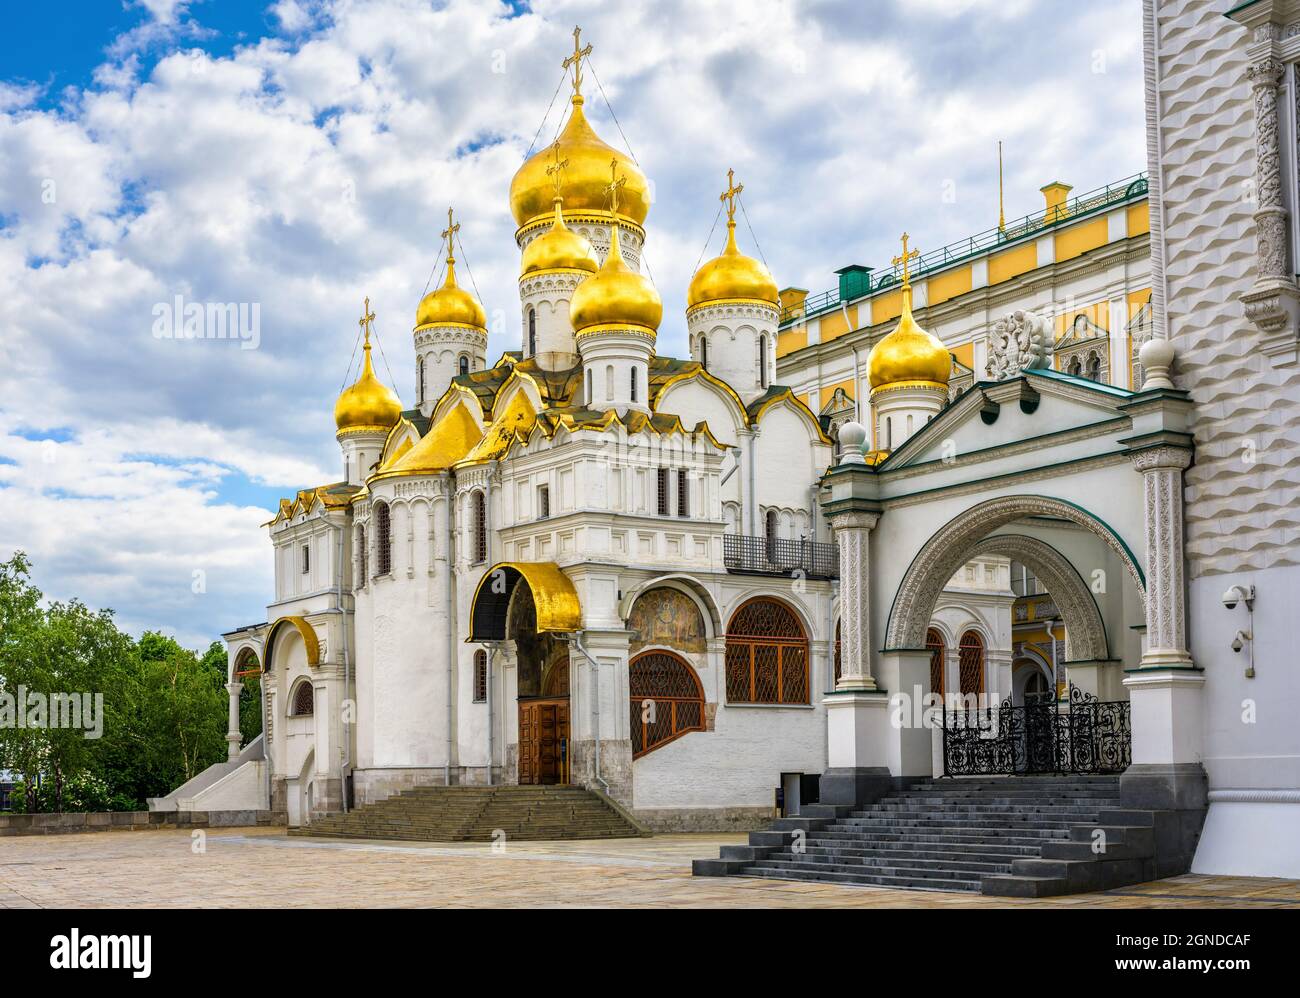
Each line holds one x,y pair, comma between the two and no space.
1079,268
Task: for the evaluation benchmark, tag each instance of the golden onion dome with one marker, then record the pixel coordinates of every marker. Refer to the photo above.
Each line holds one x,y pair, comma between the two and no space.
909,354
450,305
615,295
586,176
369,404
558,248
732,276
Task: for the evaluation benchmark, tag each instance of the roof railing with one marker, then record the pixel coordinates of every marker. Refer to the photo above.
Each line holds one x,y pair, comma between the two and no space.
1072,210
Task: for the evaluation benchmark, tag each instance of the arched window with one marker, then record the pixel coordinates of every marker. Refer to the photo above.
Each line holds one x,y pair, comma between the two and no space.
464,365
591,394
419,379
934,645
889,433
633,384
704,352
479,526
770,534
609,382
1094,367
362,560
666,700
762,361
303,703
383,540
480,676
767,654
532,331
971,657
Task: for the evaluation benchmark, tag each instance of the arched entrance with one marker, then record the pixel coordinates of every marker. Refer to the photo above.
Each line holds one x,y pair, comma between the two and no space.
994,728
533,606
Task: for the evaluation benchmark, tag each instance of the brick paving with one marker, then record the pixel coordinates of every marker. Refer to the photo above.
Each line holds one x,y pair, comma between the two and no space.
249,868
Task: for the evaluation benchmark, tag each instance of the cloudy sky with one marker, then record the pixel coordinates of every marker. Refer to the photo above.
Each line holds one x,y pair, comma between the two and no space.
302,155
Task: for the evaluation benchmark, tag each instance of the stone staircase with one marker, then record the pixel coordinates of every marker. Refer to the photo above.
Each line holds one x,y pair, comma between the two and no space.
476,814
1018,836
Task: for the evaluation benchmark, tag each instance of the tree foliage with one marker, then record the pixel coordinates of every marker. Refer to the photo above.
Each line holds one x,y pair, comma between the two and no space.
163,715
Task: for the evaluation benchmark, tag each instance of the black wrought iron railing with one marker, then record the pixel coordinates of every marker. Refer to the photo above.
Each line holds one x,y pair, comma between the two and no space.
1080,735
780,556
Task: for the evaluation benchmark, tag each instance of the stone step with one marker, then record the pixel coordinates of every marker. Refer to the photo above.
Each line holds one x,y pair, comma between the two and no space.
881,878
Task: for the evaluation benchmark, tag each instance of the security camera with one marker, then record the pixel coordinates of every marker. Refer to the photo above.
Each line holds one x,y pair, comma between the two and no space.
1239,594
1239,642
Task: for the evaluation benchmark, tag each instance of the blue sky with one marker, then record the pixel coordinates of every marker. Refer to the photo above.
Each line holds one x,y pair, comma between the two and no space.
299,155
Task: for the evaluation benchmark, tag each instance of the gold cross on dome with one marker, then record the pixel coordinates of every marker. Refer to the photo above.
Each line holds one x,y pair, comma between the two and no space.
449,233
615,185
904,260
730,194
367,317
575,60
556,169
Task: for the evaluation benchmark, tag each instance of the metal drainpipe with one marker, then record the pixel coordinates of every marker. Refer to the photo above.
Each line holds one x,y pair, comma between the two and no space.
347,676
857,388
576,637
487,547
451,611
264,708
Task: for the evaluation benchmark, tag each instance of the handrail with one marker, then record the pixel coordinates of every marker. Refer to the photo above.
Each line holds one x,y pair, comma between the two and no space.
945,256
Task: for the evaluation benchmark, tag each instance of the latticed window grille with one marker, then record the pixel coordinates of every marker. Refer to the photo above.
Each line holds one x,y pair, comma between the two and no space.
971,659
480,677
683,493
383,540
304,700
363,567
934,645
662,482
767,655
666,700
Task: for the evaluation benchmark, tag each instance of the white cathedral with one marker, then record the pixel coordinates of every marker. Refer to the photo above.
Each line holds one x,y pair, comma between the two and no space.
673,583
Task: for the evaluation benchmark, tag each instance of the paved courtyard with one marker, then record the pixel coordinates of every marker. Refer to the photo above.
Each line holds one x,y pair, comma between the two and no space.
239,868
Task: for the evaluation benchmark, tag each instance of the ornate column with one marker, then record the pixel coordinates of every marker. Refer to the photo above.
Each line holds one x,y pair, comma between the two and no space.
1273,304
232,724
1166,690
852,537
1162,480
858,732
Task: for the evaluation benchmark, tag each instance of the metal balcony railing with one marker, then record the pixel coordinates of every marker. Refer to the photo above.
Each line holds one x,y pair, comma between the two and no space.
763,556
1074,209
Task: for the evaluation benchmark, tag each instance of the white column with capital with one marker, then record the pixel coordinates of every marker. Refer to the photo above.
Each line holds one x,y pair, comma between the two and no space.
232,724
852,537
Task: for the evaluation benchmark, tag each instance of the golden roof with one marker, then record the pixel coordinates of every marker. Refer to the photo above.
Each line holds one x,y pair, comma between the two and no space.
514,422
368,404
585,180
447,441
909,354
615,296
554,597
558,248
732,276
450,305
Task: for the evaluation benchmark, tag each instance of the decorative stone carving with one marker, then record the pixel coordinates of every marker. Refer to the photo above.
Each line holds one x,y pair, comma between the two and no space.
1162,472
852,535
945,552
1021,341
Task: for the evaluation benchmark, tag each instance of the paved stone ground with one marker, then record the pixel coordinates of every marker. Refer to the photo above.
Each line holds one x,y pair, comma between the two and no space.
248,868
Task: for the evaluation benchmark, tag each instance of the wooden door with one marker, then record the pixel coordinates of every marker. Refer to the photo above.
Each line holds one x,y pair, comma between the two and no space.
543,738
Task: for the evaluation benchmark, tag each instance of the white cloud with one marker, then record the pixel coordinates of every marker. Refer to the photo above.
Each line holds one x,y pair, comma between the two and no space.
314,167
